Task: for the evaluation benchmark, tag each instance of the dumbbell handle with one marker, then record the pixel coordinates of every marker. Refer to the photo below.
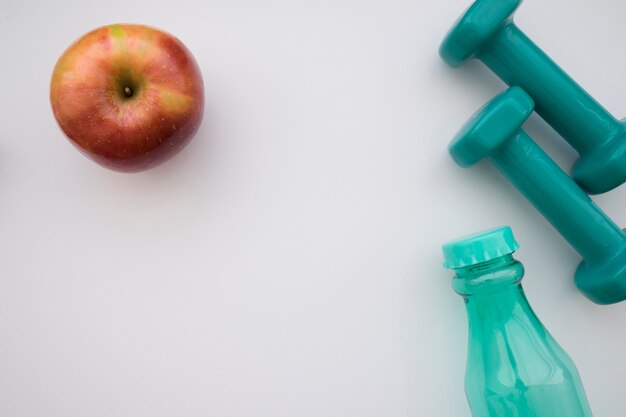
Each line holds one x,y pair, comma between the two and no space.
571,111
583,224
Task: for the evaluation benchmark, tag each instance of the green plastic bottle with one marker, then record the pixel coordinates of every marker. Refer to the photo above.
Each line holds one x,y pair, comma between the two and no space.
514,366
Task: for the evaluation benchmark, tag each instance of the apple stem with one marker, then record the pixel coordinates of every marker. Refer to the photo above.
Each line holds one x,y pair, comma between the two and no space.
128,92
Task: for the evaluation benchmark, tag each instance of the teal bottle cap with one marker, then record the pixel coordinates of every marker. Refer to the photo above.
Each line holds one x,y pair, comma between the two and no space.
479,247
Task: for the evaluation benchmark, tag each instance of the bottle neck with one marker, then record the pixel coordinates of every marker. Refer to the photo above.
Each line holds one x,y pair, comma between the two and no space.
492,290
488,277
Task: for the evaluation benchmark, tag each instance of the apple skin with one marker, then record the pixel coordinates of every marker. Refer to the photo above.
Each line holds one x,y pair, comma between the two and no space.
128,96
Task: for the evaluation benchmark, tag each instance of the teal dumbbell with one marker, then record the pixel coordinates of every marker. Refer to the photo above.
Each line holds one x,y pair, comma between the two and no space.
495,131
486,31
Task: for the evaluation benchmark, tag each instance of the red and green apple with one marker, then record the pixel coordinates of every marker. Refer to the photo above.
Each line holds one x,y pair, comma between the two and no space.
128,96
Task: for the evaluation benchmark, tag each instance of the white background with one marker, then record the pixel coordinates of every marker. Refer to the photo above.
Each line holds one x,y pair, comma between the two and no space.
287,263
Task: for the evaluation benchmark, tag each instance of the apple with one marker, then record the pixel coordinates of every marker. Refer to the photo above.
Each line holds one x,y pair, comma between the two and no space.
127,96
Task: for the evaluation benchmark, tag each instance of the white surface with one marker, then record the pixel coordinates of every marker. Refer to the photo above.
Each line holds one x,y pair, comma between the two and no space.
287,262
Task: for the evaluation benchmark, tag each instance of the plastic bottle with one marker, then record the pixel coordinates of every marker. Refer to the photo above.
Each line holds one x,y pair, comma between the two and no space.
514,366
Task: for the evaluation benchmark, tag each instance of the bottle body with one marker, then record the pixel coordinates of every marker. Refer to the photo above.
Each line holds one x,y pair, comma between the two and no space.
515,368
